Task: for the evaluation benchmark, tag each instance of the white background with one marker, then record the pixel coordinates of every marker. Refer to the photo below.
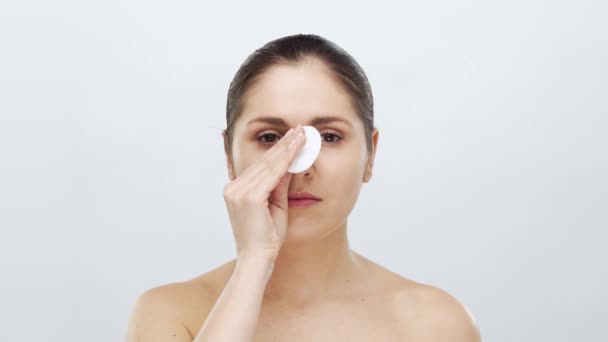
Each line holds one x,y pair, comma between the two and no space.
490,179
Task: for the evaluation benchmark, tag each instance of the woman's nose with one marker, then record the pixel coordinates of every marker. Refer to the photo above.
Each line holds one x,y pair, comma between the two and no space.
308,153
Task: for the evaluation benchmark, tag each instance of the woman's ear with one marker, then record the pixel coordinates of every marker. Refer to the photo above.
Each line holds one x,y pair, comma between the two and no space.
229,162
231,174
370,162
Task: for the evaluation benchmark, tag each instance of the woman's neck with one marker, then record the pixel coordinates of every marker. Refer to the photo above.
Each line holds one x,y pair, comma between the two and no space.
305,273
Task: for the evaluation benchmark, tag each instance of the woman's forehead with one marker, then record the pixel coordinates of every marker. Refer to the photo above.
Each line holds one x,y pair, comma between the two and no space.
304,93
302,87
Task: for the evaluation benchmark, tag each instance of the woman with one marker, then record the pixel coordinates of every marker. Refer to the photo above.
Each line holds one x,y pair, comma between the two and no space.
295,277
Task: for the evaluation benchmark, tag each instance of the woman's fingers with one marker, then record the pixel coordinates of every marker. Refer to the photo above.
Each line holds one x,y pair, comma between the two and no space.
274,153
278,168
271,163
256,168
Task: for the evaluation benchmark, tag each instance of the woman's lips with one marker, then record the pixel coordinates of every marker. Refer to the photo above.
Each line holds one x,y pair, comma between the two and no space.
302,202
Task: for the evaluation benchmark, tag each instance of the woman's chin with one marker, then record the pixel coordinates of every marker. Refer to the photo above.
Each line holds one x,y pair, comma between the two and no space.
300,234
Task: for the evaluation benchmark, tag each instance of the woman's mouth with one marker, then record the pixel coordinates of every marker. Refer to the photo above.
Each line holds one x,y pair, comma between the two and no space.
302,199
302,202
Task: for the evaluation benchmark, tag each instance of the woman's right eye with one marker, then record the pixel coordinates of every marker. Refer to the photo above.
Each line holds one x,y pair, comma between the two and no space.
264,138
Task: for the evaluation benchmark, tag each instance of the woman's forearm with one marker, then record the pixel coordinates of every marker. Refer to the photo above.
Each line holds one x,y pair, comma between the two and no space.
235,314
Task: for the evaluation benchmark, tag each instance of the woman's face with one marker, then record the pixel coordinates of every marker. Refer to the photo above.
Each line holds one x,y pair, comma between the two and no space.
299,94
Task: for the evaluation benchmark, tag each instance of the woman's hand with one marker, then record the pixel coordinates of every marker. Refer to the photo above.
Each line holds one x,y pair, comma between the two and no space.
257,199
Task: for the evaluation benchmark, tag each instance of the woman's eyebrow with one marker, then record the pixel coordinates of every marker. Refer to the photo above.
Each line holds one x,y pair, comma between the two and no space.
316,121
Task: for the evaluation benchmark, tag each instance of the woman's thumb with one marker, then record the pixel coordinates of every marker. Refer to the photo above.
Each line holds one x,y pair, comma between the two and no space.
278,203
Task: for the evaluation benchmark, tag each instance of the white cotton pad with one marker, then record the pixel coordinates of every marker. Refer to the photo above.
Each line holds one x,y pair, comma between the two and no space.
309,152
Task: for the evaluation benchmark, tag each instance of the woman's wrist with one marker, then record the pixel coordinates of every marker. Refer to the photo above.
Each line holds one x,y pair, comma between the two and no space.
262,255
262,260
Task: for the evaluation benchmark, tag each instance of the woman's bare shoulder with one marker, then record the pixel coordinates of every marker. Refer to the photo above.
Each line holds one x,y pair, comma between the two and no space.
423,312
433,314
186,302
160,313
183,295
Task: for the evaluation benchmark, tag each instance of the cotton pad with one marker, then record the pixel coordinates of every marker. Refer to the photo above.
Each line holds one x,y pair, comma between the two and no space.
307,153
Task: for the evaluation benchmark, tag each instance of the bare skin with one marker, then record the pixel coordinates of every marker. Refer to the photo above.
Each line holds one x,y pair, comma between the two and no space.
382,306
298,281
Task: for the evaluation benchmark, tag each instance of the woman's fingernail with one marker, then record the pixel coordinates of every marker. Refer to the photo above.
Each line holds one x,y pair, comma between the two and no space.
293,143
296,140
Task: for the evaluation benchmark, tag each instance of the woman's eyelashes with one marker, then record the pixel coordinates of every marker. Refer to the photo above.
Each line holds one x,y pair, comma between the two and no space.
335,139
270,138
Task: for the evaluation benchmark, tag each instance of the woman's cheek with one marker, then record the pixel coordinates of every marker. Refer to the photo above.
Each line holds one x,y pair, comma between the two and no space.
245,156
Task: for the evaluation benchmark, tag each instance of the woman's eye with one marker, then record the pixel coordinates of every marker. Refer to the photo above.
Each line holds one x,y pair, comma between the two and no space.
269,138
264,138
335,139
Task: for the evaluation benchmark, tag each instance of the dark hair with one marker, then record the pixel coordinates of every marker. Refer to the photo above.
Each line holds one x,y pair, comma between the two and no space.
292,49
